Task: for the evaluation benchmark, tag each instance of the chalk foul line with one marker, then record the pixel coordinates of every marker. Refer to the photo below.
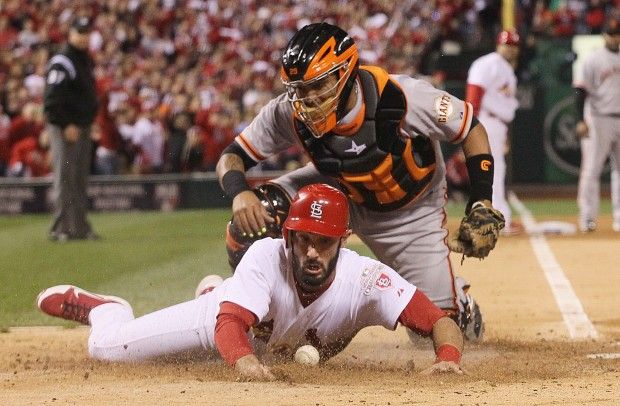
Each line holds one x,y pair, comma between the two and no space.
576,320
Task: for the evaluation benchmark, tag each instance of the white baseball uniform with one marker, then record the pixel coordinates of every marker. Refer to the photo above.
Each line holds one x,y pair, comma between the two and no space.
600,78
364,293
495,75
409,239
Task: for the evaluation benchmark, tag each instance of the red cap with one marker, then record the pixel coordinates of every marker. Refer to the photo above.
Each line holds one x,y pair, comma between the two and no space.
319,209
508,37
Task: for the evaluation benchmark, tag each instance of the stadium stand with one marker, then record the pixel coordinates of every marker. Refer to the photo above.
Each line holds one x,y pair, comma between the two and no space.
180,78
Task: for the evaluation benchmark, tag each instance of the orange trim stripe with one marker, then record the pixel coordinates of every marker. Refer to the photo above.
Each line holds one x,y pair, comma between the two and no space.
467,116
249,148
323,60
381,76
326,58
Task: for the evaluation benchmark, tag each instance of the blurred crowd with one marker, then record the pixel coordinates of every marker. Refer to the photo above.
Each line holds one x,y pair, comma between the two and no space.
179,79
565,18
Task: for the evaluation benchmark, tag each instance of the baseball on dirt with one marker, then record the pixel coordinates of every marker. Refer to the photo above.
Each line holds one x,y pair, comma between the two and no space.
307,355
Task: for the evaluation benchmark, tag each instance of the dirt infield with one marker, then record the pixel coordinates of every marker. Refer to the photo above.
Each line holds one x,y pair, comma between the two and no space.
50,366
527,357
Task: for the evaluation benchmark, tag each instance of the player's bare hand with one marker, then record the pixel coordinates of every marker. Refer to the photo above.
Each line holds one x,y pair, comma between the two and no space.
582,129
444,367
250,368
71,133
249,215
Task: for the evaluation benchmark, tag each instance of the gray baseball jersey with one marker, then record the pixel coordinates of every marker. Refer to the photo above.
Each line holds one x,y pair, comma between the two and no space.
430,112
600,78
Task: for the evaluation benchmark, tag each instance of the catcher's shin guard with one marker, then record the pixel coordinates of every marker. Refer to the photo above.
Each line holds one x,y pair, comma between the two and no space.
277,203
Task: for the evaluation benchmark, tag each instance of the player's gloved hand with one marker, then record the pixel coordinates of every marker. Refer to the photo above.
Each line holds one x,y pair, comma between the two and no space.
250,368
249,215
478,232
443,367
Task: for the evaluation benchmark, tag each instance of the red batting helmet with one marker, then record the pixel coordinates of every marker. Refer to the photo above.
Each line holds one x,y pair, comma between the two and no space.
319,209
508,37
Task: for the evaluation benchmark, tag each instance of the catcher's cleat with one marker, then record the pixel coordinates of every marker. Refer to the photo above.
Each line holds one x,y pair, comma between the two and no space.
207,284
470,318
72,303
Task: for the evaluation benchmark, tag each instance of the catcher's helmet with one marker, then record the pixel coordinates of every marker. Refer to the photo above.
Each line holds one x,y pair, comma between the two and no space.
319,209
508,37
319,67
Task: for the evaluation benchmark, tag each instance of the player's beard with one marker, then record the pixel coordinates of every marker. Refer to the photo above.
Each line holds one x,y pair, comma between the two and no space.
312,282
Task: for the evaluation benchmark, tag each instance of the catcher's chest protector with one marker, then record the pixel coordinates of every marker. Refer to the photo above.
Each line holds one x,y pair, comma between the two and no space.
380,169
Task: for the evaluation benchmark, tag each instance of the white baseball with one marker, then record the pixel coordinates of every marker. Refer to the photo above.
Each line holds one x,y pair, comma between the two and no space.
307,355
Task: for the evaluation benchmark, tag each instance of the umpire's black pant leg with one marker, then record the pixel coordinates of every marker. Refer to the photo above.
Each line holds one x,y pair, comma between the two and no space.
61,161
80,190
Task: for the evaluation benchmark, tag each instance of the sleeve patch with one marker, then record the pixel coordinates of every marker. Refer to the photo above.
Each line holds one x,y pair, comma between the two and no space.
373,278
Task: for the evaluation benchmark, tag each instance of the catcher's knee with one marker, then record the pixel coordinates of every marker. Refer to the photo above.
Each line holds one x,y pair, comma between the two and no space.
277,203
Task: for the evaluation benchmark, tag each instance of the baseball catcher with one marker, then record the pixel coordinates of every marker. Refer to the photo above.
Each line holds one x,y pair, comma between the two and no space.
377,136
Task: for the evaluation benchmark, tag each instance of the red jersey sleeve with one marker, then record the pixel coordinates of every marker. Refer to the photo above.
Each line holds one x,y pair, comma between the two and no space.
231,327
420,314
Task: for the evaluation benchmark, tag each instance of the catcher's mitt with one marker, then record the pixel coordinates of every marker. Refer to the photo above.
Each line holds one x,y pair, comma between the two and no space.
478,232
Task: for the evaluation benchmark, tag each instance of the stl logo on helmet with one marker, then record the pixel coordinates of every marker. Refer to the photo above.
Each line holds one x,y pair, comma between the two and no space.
316,210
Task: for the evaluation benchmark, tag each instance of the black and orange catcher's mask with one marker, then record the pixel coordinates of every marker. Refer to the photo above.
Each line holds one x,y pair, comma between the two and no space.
319,67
